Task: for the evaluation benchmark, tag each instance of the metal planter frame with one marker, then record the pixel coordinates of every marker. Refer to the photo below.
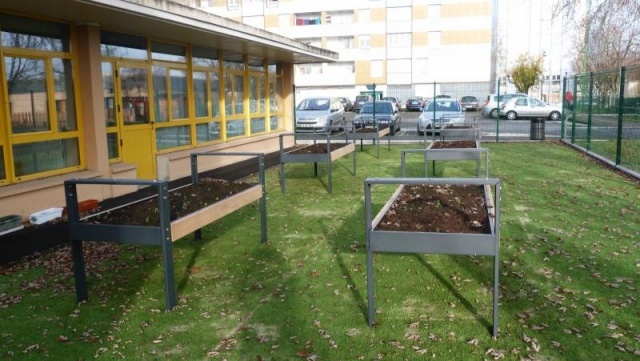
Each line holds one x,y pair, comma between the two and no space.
162,235
433,242
288,157
449,154
354,135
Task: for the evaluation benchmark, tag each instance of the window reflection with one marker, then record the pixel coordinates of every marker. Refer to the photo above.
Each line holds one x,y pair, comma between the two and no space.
65,103
135,96
26,84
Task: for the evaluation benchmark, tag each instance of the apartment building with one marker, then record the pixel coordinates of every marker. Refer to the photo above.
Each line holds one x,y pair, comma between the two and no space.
405,47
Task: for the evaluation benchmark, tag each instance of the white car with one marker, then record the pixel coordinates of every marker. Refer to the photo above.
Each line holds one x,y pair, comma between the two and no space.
529,108
320,115
439,113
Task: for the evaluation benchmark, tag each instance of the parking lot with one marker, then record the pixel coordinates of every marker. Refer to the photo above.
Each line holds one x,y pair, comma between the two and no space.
489,128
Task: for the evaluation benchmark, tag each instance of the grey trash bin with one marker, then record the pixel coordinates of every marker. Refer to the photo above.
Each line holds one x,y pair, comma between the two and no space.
537,129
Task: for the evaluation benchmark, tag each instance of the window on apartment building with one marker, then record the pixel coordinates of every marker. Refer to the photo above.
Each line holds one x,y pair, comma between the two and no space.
308,19
340,17
272,3
341,68
310,69
420,69
340,43
398,40
399,14
233,4
364,16
376,68
434,11
434,39
41,110
364,41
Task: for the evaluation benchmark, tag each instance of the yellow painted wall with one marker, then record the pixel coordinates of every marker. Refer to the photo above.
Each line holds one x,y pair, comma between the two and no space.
420,38
378,14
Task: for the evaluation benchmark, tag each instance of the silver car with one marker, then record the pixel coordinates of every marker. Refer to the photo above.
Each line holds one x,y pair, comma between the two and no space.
490,107
528,108
439,113
320,115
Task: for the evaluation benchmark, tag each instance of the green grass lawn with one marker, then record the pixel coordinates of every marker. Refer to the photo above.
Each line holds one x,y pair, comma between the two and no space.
569,271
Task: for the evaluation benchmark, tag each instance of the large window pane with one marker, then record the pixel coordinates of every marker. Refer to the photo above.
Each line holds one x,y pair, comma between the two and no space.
179,98
258,125
135,95
235,128
108,94
45,156
214,88
24,33
65,100
208,132
168,52
204,57
160,94
112,145
123,46
27,87
200,94
172,137
238,94
256,93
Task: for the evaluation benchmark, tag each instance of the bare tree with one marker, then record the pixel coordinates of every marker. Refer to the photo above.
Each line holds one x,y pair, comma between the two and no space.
611,32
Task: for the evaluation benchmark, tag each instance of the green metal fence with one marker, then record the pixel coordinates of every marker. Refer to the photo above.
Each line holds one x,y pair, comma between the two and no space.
601,116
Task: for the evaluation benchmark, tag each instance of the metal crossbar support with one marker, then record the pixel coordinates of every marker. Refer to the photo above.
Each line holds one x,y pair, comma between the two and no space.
286,157
448,154
352,134
261,180
432,242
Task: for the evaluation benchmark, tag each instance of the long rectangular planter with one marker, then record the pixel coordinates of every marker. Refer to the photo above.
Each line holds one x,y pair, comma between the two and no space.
328,158
166,232
379,241
354,135
448,154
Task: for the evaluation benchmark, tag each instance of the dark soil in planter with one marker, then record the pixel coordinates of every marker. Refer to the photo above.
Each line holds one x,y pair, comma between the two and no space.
438,208
184,200
454,144
319,148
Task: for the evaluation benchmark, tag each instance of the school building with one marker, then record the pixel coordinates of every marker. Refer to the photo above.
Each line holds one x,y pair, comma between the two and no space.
128,90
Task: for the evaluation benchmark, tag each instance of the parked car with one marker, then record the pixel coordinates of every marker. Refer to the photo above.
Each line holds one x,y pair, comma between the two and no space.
346,103
361,99
440,112
414,104
529,108
386,115
321,114
469,102
490,107
394,100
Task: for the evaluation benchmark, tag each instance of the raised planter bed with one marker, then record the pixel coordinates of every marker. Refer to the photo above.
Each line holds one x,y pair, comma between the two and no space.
482,238
374,134
161,233
314,153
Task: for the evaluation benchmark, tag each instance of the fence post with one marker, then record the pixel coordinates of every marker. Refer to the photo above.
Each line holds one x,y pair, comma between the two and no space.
575,107
589,113
620,116
564,108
